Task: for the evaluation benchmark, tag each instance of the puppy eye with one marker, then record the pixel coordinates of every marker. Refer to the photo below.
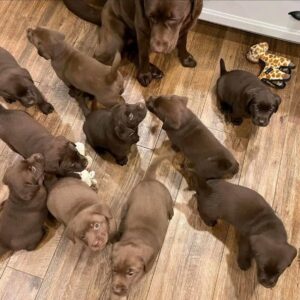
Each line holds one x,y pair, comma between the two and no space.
130,273
96,226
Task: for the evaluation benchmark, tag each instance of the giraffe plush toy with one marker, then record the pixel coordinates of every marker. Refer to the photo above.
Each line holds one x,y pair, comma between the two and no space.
276,69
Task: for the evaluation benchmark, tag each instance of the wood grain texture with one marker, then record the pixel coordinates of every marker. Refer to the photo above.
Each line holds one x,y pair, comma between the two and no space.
196,262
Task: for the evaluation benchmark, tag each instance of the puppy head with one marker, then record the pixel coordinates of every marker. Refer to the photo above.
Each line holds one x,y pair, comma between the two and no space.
261,105
272,258
63,157
93,226
129,264
171,110
130,114
25,177
166,19
126,134
48,42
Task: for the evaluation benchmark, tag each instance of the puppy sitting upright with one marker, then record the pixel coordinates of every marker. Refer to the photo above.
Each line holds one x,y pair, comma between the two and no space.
114,129
24,212
208,156
76,69
242,95
262,235
143,229
17,84
26,136
87,219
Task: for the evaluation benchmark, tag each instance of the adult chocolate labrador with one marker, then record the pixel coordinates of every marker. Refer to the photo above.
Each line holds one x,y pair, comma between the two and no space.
156,25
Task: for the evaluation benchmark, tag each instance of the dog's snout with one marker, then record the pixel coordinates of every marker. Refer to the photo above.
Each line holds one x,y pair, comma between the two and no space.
119,289
159,46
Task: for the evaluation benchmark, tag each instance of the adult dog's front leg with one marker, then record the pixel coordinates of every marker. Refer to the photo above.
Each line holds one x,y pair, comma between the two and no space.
186,59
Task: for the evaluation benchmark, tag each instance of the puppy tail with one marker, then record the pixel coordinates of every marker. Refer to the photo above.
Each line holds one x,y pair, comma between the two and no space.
85,11
222,67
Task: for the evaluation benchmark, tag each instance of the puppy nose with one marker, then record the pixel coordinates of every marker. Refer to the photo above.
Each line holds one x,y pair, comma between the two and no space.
119,288
261,121
159,46
141,106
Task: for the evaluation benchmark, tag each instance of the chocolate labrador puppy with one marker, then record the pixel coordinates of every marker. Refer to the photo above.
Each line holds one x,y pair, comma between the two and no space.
142,230
262,235
87,219
242,95
155,25
24,212
79,70
208,156
16,84
26,136
113,129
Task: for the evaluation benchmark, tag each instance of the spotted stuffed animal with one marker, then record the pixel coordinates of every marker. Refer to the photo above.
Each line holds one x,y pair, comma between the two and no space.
276,69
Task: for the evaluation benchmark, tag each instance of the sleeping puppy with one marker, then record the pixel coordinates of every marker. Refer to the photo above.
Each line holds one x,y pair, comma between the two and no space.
208,156
26,136
17,84
242,95
113,129
87,219
24,212
155,25
79,70
262,235
142,231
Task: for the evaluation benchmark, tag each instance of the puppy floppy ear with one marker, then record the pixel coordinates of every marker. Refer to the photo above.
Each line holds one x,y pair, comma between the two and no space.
148,257
196,8
74,228
43,53
277,102
249,99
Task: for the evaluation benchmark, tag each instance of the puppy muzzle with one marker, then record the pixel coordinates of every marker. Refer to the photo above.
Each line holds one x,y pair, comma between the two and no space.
120,289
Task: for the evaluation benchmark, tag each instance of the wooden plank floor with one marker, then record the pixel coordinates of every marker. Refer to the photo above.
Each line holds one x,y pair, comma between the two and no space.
196,262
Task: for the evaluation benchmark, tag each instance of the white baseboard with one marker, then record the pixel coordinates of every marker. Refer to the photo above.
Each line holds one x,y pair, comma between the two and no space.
250,25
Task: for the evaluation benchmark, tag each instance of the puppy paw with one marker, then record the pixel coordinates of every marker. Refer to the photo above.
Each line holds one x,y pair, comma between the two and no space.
144,78
46,108
244,264
122,161
156,72
188,61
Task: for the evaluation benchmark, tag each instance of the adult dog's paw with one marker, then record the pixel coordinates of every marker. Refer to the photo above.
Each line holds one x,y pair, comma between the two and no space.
144,78
156,72
244,264
188,61
122,161
46,108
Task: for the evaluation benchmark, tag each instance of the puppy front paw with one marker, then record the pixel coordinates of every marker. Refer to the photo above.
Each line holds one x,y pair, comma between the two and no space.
156,72
46,108
144,78
244,264
122,161
188,61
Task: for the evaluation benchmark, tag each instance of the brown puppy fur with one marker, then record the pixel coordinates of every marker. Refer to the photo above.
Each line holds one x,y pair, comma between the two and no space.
26,136
208,156
16,84
24,212
155,25
262,235
113,129
146,218
242,95
79,70
74,203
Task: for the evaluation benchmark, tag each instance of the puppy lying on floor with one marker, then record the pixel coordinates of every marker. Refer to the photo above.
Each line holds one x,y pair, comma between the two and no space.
79,70
87,219
24,212
26,136
17,84
262,235
242,95
208,156
143,228
113,129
